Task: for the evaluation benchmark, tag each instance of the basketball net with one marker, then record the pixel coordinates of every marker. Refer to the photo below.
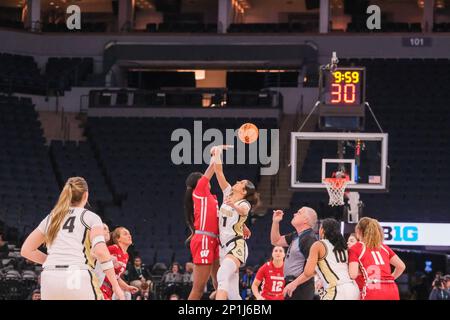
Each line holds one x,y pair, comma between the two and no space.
336,189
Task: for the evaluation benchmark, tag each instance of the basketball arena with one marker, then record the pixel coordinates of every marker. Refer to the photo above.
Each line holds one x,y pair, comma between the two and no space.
224,150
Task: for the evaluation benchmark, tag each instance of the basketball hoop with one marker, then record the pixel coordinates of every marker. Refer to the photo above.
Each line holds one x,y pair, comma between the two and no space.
336,188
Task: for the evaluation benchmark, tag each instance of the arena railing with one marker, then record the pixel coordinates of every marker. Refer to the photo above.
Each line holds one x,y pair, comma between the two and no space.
183,98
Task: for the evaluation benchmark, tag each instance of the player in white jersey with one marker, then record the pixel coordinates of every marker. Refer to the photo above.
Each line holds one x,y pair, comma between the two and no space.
70,232
237,203
329,258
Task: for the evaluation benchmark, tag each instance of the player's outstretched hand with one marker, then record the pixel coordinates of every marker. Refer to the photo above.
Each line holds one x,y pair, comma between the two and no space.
132,289
277,215
289,289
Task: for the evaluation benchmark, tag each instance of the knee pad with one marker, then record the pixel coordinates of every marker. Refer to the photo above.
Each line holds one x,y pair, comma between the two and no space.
226,270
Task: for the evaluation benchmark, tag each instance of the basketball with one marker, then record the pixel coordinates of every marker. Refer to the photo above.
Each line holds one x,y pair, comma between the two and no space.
248,133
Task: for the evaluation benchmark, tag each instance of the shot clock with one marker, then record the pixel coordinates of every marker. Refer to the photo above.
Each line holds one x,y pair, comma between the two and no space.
342,98
344,87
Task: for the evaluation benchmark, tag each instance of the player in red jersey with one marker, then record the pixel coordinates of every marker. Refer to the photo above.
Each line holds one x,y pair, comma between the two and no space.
271,275
201,213
374,260
351,241
121,238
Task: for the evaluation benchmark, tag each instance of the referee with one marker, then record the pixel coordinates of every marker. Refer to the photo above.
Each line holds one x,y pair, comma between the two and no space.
298,242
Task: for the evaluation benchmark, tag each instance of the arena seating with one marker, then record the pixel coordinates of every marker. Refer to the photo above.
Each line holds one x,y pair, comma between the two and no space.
414,113
21,74
64,73
79,160
28,187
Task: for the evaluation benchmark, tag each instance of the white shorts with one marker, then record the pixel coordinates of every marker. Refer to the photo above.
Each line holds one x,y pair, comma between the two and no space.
345,291
70,285
237,248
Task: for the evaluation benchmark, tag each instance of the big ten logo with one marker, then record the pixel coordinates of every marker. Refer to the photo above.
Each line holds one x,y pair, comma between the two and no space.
73,280
73,21
399,233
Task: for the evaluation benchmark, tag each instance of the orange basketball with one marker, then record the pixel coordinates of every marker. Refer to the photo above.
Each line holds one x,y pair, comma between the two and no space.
248,133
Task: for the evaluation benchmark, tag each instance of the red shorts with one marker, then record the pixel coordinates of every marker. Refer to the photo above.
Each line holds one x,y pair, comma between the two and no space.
107,292
204,249
386,291
273,297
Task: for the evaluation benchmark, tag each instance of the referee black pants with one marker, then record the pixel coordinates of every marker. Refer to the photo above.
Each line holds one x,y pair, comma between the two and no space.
304,291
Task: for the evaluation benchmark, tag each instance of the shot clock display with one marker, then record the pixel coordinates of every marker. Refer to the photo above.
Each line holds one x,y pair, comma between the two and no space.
344,87
342,99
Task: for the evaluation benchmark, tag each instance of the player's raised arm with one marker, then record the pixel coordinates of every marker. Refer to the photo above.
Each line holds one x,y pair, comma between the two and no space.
210,170
218,168
275,237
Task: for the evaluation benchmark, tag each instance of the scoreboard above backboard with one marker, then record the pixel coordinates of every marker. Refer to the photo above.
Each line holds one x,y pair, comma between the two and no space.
342,95
344,87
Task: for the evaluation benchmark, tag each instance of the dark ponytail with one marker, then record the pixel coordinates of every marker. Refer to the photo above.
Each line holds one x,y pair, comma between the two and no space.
252,196
332,232
191,183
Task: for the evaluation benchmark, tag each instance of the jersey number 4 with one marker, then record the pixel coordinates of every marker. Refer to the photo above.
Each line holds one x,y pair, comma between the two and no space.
70,224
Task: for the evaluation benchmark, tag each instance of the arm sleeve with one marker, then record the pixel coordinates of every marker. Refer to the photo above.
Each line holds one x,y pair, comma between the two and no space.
289,237
91,220
201,189
43,225
261,273
354,252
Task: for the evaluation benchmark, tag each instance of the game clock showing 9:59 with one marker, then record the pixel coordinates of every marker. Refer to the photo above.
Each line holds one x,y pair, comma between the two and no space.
344,87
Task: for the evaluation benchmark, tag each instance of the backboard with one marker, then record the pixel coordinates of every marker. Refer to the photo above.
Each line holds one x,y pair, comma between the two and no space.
319,155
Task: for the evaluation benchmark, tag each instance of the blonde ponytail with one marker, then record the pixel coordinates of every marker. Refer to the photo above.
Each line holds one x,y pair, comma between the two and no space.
371,232
71,194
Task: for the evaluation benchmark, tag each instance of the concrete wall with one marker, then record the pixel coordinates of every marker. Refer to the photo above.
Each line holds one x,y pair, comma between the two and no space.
346,45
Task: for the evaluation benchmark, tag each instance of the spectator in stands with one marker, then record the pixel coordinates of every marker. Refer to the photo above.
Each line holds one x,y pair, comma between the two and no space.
419,289
36,295
144,292
27,265
137,273
447,282
174,275
439,291
188,273
246,283
174,296
4,251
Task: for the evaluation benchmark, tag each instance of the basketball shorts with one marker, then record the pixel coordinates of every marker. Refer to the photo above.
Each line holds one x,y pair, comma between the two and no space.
204,249
68,284
386,291
344,291
237,248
